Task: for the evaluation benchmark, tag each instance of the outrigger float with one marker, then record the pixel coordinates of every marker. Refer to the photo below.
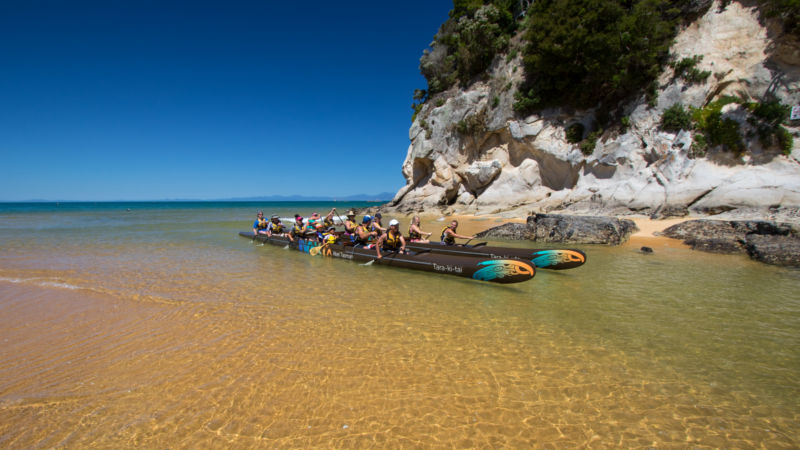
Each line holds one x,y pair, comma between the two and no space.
553,259
485,267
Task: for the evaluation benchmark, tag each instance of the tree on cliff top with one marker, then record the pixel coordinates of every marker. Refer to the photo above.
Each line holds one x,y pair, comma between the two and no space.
587,52
468,41
577,52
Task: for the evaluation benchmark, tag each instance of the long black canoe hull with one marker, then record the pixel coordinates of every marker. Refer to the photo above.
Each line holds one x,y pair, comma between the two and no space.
554,259
496,270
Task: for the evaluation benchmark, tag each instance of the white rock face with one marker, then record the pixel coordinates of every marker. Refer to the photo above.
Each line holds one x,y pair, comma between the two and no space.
526,163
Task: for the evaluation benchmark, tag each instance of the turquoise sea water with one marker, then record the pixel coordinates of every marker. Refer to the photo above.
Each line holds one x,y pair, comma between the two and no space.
157,325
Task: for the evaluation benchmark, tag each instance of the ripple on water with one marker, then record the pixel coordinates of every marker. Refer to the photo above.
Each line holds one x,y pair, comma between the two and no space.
221,343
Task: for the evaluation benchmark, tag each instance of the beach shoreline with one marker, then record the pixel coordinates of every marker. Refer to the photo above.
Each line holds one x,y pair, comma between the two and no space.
646,235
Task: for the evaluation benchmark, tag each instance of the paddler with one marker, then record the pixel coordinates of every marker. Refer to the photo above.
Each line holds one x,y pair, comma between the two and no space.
328,222
363,233
260,225
449,234
275,226
376,224
350,224
415,233
392,240
299,228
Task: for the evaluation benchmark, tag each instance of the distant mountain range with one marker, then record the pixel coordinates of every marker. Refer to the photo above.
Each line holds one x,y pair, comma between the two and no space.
381,197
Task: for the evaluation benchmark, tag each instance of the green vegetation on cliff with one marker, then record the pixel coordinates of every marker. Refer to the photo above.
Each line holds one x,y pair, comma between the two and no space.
467,43
580,53
587,52
712,127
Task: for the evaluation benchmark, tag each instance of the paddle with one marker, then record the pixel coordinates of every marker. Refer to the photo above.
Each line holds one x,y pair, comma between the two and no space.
340,218
479,244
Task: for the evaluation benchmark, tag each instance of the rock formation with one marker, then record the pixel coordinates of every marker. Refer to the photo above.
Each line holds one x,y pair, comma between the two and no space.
771,242
566,229
469,153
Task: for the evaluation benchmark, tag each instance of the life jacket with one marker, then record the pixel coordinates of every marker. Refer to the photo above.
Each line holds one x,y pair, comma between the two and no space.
358,239
276,227
374,228
392,241
329,238
350,226
447,238
413,234
327,223
298,230
262,223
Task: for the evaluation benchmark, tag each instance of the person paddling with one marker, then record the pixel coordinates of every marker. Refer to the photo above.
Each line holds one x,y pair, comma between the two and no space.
298,229
392,240
328,222
363,233
350,224
415,233
449,234
275,226
260,225
376,226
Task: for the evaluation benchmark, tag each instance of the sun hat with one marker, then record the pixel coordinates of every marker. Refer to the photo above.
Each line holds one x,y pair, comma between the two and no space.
351,213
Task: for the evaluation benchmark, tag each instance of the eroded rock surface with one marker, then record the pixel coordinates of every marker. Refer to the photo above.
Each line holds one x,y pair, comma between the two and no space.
566,229
766,241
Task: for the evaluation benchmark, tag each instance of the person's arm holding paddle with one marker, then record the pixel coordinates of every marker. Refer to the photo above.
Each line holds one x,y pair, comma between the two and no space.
449,234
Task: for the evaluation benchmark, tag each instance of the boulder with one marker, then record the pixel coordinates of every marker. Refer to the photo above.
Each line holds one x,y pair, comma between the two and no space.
766,241
580,229
776,250
510,231
566,229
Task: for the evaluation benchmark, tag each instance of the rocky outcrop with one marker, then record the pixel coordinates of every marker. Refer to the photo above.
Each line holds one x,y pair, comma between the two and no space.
566,229
776,250
526,164
766,241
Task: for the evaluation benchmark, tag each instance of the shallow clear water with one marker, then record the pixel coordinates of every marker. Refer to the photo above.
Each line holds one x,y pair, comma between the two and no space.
159,326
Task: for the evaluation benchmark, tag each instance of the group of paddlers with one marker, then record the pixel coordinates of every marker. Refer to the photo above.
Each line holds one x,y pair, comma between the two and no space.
370,233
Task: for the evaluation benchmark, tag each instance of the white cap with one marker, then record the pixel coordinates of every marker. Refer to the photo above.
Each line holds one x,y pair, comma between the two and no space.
394,222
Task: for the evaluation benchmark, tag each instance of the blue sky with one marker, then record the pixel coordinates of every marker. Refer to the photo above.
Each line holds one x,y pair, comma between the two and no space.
140,100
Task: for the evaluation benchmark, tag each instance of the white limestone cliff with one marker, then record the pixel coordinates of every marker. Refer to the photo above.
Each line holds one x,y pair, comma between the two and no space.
508,163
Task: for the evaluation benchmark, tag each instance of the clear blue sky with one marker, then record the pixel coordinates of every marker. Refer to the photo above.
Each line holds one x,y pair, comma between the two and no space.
145,100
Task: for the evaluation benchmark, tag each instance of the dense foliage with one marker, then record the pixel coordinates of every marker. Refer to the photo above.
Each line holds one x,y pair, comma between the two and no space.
468,41
588,52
